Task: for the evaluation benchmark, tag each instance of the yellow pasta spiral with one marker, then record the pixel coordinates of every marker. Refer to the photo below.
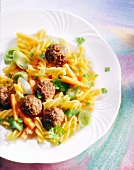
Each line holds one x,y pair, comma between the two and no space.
19,90
40,34
5,113
62,102
70,127
5,81
89,94
39,130
13,135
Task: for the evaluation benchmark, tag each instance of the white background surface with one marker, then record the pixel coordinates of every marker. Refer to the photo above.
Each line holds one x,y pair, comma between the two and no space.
79,7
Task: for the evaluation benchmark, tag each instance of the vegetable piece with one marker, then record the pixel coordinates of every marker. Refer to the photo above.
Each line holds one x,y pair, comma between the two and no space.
1,121
42,56
80,41
87,104
91,84
26,132
84,118
31,53
107,69
72,92
34,62
56,132
16,124
22,74
61,86
8,58
28,121
36,77
79,78
21,59
104,90
39,94
25,86
14,107
73,82
9,75
32,83
72,112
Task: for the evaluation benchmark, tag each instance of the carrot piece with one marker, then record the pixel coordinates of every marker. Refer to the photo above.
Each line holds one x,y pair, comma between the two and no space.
69,80
26,132
27,120
14,107
35,62
90,109
79,78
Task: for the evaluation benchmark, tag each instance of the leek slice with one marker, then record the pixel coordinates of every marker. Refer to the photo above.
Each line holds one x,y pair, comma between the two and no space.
84,118
8,58
22,74
21,59
25,85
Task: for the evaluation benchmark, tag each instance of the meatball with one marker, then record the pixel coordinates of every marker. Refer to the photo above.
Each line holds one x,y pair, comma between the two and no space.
5,100
44,90
52,117
31,105
56,55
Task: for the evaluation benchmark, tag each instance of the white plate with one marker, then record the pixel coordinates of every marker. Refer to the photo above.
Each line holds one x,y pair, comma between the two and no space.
67,26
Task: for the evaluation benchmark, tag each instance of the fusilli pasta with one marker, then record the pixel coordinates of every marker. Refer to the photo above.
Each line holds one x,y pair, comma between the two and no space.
62,102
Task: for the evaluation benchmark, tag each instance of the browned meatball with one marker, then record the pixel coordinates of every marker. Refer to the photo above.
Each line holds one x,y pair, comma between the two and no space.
56,55
44,89
52,117
31,105
5,100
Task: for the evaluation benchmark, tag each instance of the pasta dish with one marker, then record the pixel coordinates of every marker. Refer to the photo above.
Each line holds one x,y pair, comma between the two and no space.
47,89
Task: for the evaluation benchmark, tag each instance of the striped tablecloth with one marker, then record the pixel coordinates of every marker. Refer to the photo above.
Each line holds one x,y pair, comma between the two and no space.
114,20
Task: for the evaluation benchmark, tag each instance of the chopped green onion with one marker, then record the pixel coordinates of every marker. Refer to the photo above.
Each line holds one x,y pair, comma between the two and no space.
96,75
59,142
9,75
80,41
31,53
42,56
61,86
72,92
1,121
20,120
87,104
107,69
35,77
55,132
16,124
92,84
104,90
39,94
72,112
